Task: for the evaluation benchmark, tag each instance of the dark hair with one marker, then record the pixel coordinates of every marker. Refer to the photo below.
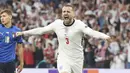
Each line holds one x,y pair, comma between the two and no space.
8,11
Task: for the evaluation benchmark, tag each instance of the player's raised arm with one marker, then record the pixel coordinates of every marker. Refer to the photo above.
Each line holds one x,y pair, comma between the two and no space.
38,31
87,30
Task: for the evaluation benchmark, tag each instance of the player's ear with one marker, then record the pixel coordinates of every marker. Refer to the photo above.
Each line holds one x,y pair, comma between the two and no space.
10,16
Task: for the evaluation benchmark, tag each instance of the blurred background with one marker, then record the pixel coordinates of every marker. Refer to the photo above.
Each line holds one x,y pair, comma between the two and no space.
111,17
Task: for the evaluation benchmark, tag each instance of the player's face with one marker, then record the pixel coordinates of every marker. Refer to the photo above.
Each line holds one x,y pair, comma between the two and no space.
67,14
5,18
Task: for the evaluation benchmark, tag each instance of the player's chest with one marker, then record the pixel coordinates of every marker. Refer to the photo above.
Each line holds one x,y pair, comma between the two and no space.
7,36
67,32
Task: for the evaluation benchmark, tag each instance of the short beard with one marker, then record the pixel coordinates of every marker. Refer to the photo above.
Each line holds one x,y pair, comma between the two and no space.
68,22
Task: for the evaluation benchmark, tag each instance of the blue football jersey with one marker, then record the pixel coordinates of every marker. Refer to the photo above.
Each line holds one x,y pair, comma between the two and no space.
8,42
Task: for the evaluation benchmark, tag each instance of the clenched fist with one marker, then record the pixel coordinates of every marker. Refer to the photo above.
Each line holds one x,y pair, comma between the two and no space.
19,33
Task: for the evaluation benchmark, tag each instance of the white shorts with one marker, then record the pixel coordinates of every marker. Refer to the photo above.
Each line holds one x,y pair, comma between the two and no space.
66,65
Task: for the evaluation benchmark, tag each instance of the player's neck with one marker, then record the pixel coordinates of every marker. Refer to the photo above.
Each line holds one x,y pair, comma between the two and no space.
8,25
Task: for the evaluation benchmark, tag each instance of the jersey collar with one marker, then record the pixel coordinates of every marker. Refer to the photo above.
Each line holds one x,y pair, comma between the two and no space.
5,27
69,25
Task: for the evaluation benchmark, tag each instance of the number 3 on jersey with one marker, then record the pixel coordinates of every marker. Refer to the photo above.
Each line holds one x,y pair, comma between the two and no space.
67,40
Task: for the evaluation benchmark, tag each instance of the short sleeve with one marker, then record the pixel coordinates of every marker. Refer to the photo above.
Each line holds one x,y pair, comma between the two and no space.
19,39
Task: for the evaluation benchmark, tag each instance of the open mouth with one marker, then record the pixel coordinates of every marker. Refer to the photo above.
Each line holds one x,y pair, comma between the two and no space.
66,17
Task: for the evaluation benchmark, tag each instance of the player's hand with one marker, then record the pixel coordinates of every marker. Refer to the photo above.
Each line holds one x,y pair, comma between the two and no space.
109,40
20,67
19,33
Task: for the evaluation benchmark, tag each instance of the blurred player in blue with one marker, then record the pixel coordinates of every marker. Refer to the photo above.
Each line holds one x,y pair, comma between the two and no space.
8,43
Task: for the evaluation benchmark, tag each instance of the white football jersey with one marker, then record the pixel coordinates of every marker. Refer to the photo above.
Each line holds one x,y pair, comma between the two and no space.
69,37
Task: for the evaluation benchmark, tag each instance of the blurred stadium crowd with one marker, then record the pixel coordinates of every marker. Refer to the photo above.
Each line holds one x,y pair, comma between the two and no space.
108,16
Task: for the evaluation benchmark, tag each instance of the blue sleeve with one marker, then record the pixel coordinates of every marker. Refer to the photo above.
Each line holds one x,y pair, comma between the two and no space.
19,39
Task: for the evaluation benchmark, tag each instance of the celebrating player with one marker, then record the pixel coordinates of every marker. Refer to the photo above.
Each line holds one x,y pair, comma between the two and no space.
69,32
